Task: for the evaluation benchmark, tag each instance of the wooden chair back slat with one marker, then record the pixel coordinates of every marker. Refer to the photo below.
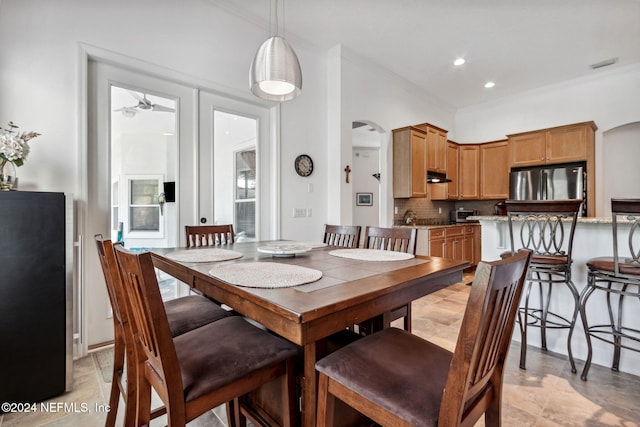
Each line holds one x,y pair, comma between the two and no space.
391,239
346,236
209,235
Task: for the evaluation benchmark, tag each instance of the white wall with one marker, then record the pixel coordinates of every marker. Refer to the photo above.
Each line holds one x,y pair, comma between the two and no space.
609,98
620,172
378,96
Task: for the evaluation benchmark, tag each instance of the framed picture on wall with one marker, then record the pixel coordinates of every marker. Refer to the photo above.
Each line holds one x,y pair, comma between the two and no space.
364,199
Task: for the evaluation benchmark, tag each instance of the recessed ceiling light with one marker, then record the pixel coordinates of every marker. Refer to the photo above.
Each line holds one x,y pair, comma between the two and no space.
489,85
459,62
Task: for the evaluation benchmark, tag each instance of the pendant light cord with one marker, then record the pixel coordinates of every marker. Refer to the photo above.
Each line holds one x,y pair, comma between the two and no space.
276,18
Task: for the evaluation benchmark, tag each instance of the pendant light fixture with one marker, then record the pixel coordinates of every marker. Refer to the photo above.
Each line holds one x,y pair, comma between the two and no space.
275,72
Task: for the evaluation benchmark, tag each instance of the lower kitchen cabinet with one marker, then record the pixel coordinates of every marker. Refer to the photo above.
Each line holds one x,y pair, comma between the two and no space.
461,242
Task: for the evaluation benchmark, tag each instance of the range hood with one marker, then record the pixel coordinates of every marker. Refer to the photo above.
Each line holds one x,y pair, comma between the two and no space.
436,177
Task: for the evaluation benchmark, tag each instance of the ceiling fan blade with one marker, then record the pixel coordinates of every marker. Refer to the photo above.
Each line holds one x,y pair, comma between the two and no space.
115,110
136,95
158,107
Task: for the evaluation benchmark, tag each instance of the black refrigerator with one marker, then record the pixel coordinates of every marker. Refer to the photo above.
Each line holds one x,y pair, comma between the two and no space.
35,296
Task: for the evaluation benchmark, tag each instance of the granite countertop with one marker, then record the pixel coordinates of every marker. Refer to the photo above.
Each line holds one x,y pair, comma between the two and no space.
582,220
423,226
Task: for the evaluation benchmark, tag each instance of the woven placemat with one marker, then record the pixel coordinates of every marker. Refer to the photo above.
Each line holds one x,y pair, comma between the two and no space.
265,274
203,255
371,255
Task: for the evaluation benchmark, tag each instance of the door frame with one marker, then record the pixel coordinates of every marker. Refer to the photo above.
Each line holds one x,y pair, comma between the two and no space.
83,241
268,160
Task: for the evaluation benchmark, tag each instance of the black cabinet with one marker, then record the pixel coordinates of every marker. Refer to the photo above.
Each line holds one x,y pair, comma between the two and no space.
34,342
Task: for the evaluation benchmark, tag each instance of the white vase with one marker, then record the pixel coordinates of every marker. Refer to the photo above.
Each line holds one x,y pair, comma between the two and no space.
7,175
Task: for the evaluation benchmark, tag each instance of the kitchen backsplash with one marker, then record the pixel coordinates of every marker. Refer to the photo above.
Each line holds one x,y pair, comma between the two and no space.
437,212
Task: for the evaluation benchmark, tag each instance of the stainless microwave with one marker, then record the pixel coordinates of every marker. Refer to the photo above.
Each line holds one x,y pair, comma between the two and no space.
462,215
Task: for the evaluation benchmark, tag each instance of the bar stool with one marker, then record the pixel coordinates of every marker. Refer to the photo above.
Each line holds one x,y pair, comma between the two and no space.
617,277
547,229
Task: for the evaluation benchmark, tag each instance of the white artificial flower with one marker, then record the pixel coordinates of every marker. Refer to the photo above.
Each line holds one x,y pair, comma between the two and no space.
12,147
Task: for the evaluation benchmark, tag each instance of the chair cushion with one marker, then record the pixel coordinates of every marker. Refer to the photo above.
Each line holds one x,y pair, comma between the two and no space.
550,260
187,313
220,353
543,260
607,264
395,370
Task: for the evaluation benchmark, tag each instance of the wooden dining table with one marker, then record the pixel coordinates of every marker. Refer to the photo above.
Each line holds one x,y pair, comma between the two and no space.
350,291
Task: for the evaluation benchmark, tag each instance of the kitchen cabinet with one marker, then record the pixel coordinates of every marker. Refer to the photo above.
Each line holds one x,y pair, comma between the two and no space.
555,145
452,170
468,172
436,147
448,191
494,170
460,242
409,162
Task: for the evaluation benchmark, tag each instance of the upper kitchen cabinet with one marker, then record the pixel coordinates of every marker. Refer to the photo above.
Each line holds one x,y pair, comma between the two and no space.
494,170
561,144
468,172
448,191
452,170
436,147
409,162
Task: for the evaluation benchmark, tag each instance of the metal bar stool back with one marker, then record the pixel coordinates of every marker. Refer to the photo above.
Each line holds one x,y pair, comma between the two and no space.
547,228
618,277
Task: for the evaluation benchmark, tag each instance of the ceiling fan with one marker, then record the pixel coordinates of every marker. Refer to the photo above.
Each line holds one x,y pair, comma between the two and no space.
143,104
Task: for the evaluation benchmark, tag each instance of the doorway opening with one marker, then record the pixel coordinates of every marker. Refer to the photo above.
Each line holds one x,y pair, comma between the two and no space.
366,172
235,188
143,153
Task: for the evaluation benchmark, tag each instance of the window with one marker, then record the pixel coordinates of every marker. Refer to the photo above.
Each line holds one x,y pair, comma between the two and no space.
143,217
144,211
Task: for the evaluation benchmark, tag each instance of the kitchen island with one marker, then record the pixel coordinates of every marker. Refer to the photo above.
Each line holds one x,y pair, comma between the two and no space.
593,238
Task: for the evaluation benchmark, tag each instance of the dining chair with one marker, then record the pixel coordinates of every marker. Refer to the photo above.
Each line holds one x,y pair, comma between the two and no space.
183,314
345,236
209,235
546,227
399,239
201,369
615,277
398,379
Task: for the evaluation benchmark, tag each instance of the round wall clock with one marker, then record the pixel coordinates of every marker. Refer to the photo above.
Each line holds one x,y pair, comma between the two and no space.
303,165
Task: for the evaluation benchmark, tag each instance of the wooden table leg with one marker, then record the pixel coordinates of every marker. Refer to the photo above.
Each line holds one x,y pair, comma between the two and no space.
309,386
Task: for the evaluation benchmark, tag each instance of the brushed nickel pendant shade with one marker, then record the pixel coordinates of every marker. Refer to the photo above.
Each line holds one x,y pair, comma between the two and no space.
275,72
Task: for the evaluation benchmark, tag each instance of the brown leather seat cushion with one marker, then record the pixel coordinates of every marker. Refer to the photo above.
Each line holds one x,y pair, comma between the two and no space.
607,264
545,260
396,370
550,260
219,353
191,312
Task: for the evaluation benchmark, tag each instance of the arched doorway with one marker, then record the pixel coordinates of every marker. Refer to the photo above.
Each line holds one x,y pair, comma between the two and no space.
367,202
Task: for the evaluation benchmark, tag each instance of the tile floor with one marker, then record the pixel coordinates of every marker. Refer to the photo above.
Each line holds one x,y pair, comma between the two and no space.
546,394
